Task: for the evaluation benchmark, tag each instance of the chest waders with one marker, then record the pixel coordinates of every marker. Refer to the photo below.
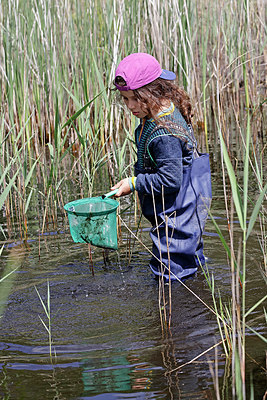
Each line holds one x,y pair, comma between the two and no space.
180,217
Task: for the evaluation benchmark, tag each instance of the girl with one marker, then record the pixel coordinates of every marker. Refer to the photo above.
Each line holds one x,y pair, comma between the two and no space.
172,179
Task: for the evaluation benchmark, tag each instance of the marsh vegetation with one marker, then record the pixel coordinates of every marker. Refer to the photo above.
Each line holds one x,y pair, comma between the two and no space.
64,134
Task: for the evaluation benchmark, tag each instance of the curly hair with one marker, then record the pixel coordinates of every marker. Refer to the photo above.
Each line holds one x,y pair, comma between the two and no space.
151,95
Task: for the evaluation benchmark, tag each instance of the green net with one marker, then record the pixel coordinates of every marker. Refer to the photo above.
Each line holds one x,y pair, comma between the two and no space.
94,220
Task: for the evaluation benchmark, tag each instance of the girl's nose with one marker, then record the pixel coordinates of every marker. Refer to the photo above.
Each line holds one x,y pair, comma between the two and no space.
131,103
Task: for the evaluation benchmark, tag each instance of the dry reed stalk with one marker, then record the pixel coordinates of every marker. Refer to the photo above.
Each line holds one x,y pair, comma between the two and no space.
169,269
214,374
195,358
181,282
162,269
54,35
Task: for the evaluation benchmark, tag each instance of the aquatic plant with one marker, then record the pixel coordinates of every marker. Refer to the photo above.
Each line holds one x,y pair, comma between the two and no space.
236,315
48,325
57,57
51,69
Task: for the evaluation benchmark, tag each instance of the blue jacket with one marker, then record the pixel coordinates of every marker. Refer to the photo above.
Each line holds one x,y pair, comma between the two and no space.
170,154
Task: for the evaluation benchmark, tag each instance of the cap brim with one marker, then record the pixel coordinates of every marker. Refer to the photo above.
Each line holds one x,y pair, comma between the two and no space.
168,75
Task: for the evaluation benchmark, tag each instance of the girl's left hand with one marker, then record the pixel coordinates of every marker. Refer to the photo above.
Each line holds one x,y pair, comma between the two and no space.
123,186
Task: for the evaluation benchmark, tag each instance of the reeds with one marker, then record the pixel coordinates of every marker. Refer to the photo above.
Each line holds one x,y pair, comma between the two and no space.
246,212
59,57
47,325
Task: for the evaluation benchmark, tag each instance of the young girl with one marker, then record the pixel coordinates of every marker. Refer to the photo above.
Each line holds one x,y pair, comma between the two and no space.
172,179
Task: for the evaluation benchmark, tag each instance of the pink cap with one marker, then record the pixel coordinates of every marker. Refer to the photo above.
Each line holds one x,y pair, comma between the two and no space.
139,69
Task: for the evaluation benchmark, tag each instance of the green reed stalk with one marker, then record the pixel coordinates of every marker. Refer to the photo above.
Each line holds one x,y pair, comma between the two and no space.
241,206
48,325
204,76
89,40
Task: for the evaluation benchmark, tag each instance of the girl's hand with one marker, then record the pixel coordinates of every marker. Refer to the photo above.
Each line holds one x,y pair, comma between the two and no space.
123,186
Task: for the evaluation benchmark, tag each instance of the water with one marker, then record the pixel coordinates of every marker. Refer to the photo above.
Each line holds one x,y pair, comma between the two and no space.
107,338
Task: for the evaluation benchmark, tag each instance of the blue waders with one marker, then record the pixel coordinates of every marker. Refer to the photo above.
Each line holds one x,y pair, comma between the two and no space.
177,233
178,217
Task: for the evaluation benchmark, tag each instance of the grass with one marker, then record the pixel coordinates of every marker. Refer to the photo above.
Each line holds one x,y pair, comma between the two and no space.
47,325
61,127
40,92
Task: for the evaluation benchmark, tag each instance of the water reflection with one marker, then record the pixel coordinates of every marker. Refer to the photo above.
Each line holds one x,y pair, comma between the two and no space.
120,373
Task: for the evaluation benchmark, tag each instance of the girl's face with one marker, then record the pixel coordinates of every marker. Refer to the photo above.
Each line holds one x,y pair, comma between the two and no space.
133,105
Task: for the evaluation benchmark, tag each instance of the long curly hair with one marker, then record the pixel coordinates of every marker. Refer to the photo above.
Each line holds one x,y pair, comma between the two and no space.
151,96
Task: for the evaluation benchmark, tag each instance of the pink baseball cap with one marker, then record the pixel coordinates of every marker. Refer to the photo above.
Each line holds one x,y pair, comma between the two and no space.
139,69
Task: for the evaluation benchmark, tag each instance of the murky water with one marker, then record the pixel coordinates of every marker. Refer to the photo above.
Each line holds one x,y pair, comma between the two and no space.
106,332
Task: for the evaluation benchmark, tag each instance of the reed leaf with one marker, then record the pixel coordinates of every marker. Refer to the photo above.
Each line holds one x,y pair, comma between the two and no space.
223,241
101,83
44,324
263,338
256,210
255,306
233,182
80,111
46,310
7,190
15,258
238,377
30,173
7,275
28,201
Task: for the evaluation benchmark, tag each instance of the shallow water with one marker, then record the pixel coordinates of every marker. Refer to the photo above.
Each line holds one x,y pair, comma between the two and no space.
107,338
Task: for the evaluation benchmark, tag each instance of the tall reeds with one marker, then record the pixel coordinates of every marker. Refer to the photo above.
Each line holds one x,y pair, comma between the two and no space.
246,211
59,57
